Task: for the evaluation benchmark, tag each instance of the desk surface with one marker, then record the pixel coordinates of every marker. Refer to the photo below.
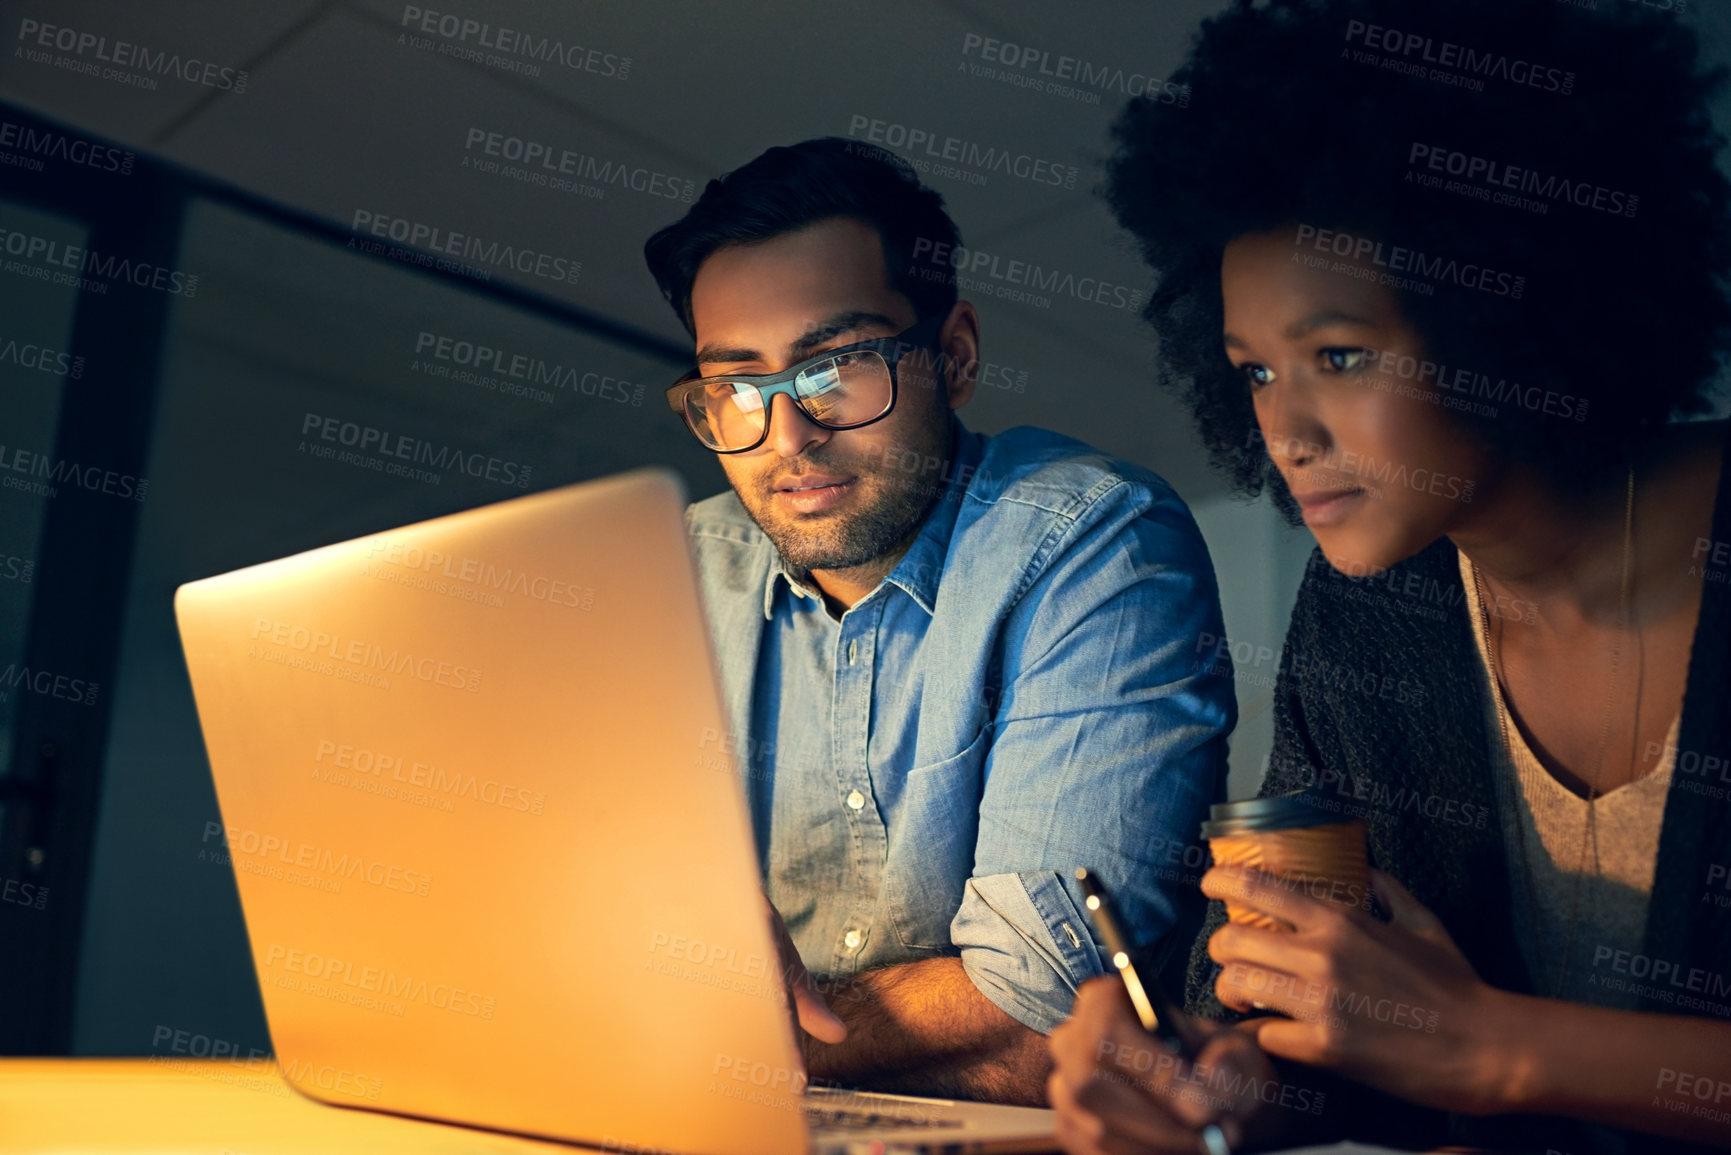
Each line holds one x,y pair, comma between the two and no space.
212,1107
204,1107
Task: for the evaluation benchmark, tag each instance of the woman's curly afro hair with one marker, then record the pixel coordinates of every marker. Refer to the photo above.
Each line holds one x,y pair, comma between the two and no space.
1313,112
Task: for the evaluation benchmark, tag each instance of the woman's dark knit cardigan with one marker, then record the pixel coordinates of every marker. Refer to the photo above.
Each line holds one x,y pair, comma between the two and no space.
1380,713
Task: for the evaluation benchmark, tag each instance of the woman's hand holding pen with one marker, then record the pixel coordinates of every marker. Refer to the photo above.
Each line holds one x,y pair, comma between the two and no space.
1119,1090
1394,1005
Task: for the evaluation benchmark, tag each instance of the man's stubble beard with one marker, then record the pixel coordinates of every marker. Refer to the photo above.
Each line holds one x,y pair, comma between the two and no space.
862,537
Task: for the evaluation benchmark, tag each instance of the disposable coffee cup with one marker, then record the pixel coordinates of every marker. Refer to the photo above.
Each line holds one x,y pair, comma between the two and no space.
1291,837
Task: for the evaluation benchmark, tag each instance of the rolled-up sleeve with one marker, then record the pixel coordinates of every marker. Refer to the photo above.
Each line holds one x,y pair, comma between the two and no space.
1109,743
1025,945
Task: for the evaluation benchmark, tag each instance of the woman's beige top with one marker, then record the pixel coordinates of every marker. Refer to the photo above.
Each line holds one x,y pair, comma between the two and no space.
1565,899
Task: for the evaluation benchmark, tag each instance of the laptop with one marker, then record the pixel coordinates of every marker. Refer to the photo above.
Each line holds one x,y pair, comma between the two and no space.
494,856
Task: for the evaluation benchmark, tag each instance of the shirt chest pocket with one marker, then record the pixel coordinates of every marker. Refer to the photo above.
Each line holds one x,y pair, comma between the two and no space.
931,848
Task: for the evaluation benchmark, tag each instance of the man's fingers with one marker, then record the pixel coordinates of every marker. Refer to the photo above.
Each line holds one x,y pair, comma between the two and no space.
810,1007
815,1017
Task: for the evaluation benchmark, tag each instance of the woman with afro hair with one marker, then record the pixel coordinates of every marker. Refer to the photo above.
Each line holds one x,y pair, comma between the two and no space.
1447,280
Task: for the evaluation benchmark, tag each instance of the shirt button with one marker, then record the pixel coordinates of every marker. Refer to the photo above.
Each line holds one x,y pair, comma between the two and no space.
852,651
856,801
851,940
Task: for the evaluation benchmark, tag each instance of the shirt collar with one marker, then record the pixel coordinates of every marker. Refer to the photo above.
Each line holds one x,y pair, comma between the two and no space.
777,570
919,570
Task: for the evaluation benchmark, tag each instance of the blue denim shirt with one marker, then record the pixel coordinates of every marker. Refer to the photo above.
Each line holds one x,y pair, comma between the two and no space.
1019,697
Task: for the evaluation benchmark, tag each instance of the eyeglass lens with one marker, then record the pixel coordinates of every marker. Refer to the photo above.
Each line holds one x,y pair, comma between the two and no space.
849,389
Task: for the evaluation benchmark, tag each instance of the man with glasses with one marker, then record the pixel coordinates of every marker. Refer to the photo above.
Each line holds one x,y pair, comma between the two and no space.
956,667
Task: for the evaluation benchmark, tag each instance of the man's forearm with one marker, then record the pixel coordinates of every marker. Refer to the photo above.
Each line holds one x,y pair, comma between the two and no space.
924,1028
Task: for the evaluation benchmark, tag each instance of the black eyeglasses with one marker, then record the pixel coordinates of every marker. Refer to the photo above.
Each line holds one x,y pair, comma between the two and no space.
843,388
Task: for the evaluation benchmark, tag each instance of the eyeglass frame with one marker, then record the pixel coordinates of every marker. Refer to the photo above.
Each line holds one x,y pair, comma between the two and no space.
892,349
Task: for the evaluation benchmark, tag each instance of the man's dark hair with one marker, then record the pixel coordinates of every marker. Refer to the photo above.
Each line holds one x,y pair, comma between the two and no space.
1301,116
789,187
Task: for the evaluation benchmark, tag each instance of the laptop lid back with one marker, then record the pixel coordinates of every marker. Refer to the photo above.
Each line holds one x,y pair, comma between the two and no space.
495,864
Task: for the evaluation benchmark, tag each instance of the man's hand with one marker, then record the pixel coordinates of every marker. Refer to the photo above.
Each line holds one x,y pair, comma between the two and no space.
814,1015
924,1028
1118,1089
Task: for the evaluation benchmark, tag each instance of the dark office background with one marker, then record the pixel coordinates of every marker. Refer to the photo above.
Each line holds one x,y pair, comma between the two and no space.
172,413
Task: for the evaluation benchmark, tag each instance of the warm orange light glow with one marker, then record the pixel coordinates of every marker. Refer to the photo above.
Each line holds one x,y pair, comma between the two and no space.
205,1107
581,967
